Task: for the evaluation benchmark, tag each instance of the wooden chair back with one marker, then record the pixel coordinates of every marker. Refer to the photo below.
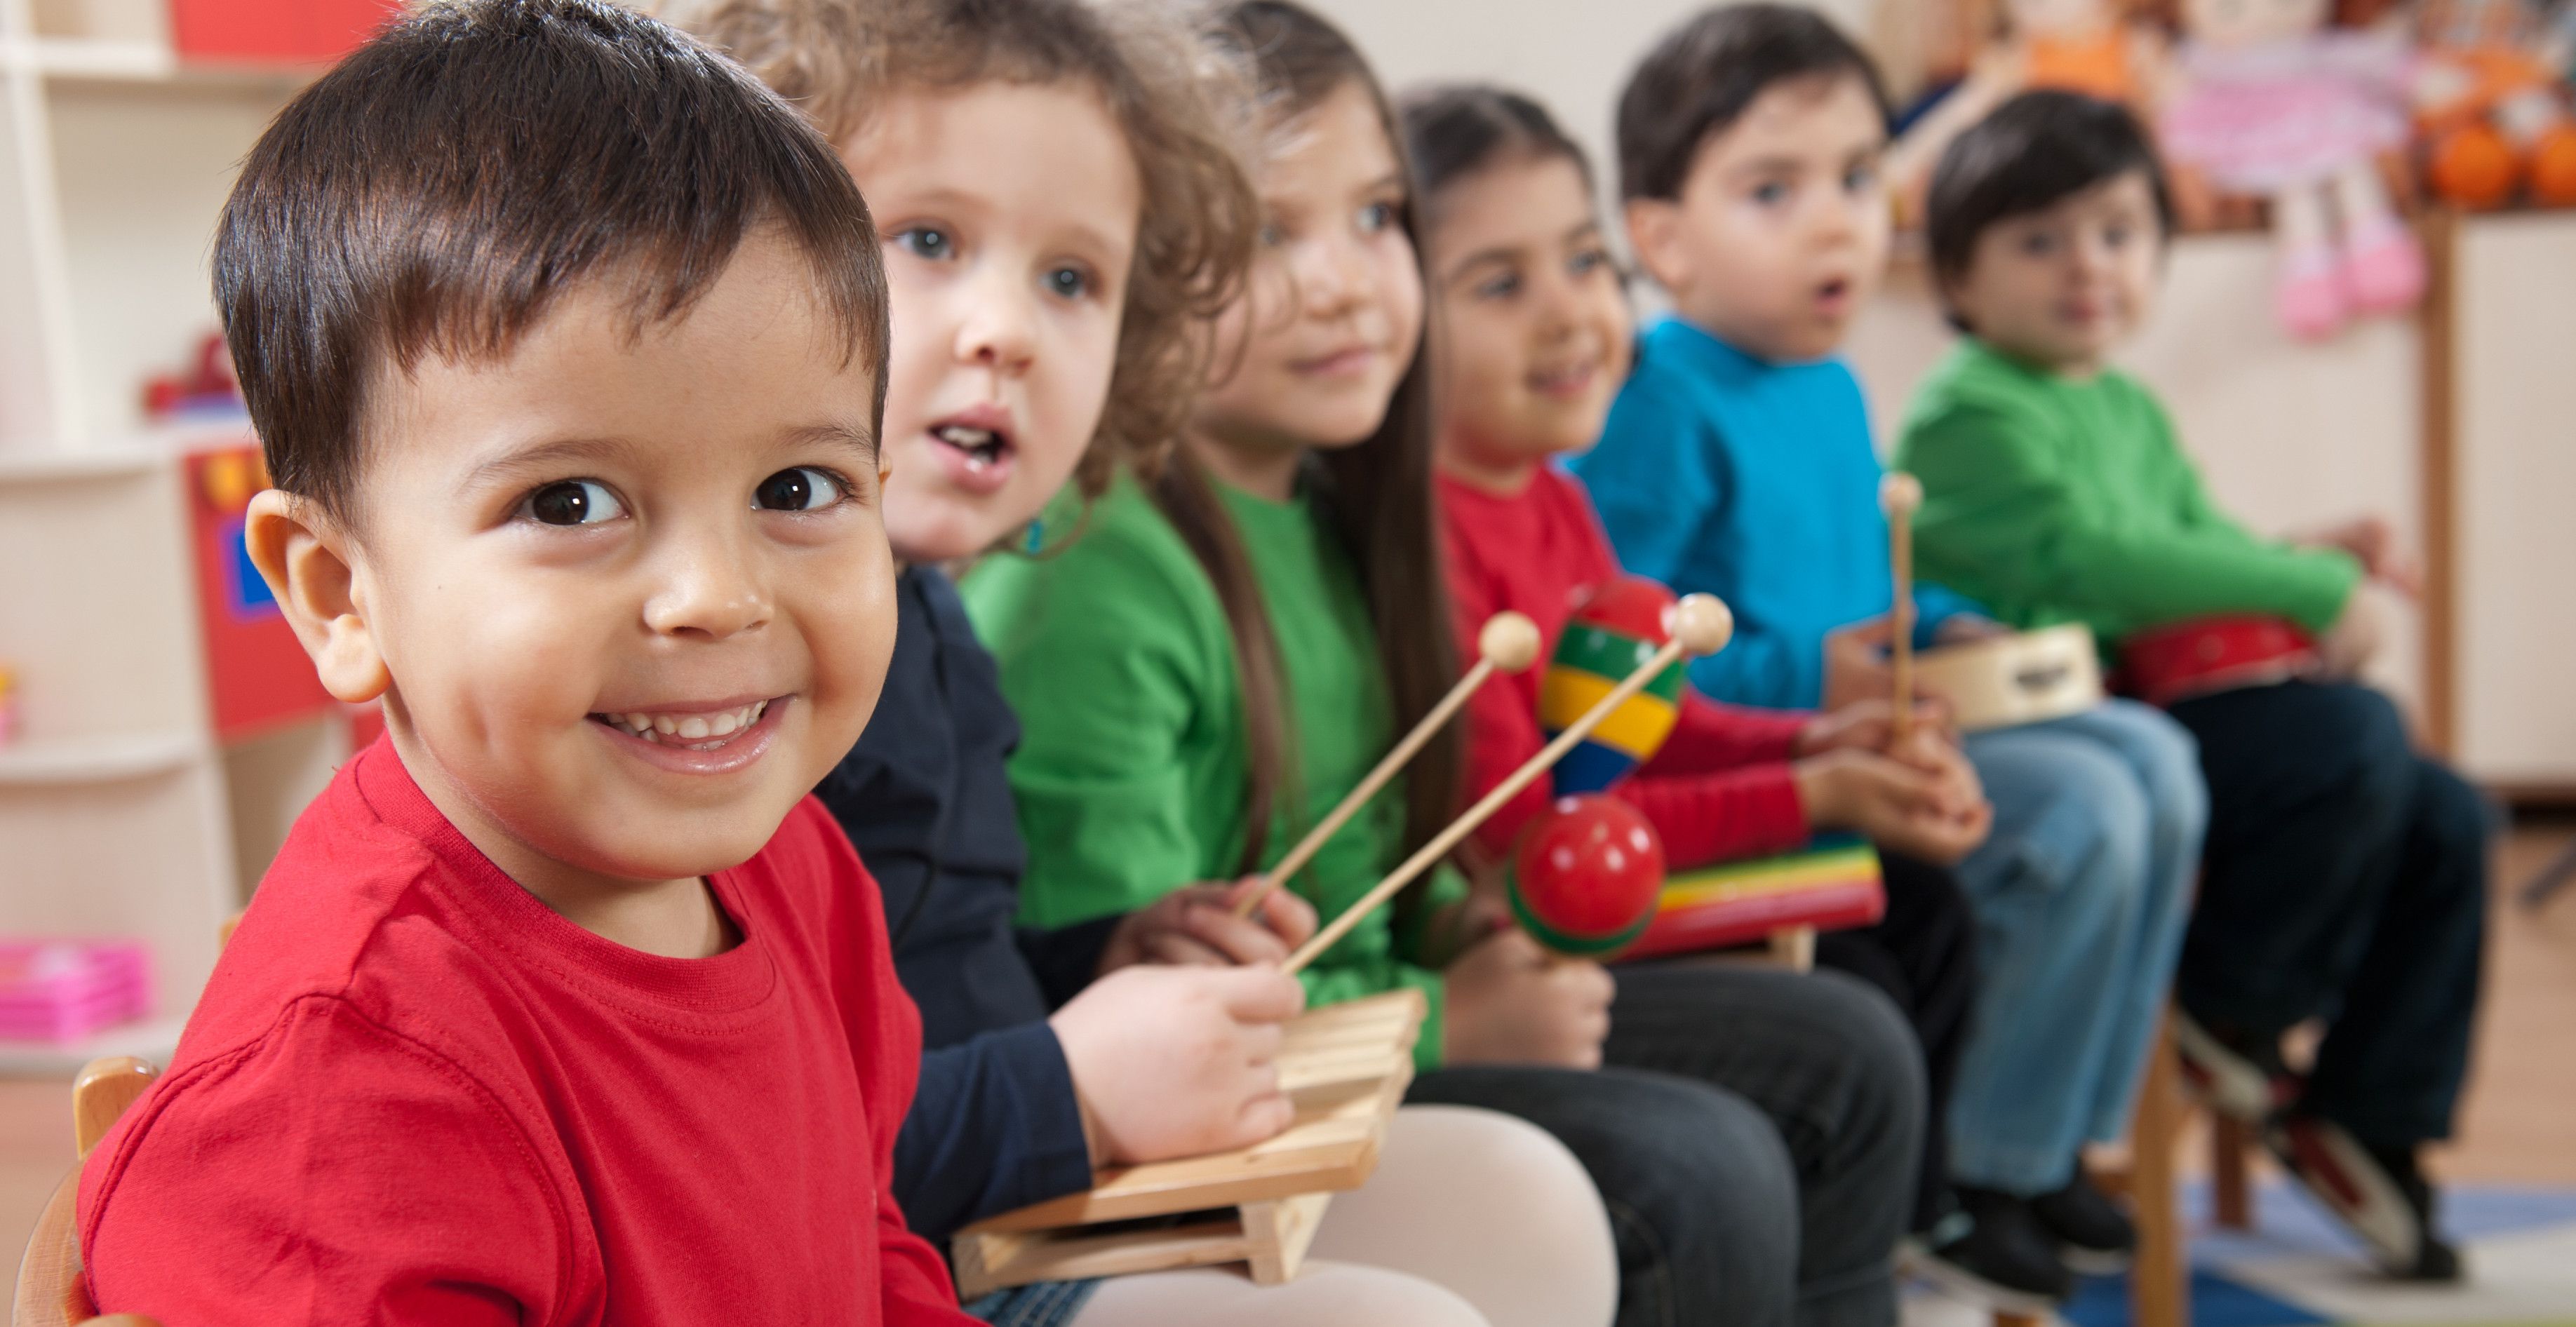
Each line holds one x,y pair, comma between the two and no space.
51,1292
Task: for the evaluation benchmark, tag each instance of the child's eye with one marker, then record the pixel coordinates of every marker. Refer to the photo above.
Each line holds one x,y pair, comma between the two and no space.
2038,244
572,502
1376,217
1502,286
1860,179
803,488
2116,237
929,242
1272,236
1068,282
1770,193
1589,261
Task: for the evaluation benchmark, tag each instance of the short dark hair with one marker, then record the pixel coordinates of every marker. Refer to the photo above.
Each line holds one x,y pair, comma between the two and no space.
1458,129
439,189
1700,77
2031,153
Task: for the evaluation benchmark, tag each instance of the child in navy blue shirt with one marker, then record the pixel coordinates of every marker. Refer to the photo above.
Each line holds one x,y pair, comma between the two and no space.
1051,244
1738,461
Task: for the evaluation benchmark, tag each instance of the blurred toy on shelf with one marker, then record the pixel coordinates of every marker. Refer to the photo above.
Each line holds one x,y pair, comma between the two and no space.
206,391
2270,102
258,674
2102,48
8,705
274,31
2491,102
61,991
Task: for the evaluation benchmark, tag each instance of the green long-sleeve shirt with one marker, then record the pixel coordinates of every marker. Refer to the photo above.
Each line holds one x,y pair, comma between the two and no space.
1130,775
2053,499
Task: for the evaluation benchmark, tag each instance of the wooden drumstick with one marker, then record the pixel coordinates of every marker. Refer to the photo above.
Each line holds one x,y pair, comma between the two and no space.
1509,642
1701,625
1900,493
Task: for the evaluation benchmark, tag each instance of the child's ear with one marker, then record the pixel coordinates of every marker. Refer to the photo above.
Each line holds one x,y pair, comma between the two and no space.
309,562
1654,232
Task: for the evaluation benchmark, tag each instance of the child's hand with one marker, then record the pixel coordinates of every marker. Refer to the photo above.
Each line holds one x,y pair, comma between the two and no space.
1856,668
2348,645
2372,541
1176,1062
1196,924
1867,725
1509,1001
1939,814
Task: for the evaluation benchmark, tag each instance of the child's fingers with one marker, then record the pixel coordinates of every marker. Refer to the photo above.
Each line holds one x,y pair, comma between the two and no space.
1260,995
1180,949
1239,939
1290,917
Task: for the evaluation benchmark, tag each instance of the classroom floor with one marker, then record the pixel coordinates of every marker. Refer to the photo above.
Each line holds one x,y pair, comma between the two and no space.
2517,1137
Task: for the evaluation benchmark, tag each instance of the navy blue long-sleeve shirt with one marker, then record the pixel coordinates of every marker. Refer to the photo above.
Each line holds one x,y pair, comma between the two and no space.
924,796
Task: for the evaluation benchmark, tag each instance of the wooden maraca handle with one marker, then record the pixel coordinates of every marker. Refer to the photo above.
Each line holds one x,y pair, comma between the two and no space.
1701,625
1900,493
1509,641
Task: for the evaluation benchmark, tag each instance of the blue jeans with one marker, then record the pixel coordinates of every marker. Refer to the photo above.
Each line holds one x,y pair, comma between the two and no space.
2081,896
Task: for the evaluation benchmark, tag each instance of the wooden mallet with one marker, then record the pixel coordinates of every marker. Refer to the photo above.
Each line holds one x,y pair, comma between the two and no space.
1509,643
1701,625
1900,493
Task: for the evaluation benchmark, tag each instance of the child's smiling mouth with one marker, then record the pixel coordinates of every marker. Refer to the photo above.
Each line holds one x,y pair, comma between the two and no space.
696,739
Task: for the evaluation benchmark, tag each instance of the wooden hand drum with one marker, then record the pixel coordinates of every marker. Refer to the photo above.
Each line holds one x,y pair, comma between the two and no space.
2006,681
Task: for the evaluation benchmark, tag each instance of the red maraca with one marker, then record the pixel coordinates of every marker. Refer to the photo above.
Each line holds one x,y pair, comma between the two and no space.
1586,874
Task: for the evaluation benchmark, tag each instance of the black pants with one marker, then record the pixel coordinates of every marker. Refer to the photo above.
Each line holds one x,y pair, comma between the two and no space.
1923,955
2345,879
1751,1134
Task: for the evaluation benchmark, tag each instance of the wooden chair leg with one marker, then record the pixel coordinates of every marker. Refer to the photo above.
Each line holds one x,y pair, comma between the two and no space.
2159,1277
2229,1142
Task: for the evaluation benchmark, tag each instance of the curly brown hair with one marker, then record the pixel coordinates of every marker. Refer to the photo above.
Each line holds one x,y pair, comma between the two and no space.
1182,106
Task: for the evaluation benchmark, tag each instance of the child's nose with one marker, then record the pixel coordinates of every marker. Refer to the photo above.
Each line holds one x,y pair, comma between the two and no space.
710,589
999,329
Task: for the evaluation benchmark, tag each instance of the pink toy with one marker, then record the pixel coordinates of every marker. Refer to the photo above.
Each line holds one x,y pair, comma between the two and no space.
63,990
2271,104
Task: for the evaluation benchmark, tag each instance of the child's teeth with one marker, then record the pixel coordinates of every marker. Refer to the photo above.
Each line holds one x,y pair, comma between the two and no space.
664,726
726,723
692,728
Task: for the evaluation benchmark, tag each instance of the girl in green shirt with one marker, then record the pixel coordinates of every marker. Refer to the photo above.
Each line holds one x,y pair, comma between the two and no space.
1212,655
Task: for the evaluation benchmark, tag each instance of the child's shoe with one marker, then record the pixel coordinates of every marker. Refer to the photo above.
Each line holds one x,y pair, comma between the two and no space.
2309,296
1993,1253
2237,1075
2378,1193
2094,1237
2383,267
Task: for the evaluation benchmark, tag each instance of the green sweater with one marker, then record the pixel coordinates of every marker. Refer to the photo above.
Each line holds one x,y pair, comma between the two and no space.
2052,499
1130,774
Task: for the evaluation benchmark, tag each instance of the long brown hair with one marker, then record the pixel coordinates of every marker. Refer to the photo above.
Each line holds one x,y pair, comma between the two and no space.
1377,493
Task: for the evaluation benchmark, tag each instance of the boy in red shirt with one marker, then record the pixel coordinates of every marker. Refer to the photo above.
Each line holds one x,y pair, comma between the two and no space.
563,1004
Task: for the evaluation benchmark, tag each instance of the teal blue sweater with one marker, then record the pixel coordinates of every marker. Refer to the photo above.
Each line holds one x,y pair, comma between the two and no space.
1755,482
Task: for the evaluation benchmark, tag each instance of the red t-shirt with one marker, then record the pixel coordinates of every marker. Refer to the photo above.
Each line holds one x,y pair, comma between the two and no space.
412,1093
1720,787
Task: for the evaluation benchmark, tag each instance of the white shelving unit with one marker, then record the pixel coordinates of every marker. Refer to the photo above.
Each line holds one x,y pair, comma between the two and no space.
120,814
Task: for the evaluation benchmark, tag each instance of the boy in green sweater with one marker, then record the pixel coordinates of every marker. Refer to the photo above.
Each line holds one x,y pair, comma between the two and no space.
2345,874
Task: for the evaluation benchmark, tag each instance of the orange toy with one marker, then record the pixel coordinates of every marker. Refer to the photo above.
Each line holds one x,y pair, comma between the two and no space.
2488,106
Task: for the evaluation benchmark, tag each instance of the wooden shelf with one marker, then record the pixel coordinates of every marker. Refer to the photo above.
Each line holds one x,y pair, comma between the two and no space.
155,1039
67,761
30,467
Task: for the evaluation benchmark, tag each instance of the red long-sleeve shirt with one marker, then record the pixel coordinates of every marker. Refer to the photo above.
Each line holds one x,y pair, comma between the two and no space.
1720,787
413,1094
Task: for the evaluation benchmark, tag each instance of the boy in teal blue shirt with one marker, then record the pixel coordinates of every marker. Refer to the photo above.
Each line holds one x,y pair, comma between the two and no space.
1738,461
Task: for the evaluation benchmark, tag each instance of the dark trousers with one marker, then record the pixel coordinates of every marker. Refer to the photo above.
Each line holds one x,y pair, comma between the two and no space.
2345,879
1923,955
1752,1137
